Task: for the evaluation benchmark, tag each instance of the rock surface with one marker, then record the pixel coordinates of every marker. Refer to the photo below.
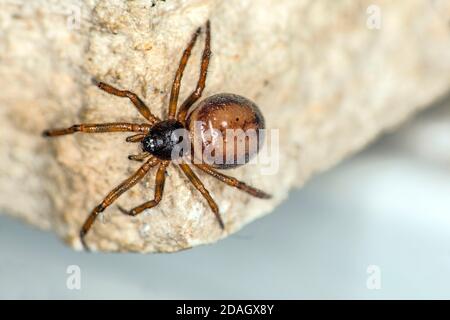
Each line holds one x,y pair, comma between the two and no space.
328,75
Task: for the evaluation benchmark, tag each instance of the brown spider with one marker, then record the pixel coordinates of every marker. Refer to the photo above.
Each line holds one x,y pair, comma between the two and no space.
221,111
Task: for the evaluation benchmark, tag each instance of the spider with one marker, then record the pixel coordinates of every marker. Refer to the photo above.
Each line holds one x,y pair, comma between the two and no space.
158,140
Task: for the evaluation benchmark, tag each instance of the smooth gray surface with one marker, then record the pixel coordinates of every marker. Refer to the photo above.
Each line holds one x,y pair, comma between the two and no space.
388,206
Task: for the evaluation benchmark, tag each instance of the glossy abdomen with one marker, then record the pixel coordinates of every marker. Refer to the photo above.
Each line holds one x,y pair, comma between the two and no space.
226,130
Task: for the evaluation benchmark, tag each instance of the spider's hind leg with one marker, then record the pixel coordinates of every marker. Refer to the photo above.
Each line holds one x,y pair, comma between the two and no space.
233,182
205,193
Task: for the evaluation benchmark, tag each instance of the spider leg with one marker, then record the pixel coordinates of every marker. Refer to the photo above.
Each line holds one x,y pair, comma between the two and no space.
197,93
136,138
200,187
138,103
98,128
179,74
159,189
139,157
114,194
233,182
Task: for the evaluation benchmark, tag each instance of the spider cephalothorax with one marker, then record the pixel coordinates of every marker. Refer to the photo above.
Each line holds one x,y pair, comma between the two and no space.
163,138
160,139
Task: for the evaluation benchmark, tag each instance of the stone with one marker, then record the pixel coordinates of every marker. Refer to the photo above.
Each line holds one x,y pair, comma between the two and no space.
329,77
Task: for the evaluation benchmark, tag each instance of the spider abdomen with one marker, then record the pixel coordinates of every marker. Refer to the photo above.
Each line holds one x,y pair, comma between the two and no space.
227,128
163,138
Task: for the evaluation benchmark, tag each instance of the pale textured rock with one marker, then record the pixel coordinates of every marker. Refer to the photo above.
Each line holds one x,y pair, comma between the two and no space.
323,78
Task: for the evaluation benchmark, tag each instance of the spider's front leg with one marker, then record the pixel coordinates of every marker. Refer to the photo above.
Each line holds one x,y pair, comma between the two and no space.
114,194
159,189
175,91
197,93
139,157
99,128
136,138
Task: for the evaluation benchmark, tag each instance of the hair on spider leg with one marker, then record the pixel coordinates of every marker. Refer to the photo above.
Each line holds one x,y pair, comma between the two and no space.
158,138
